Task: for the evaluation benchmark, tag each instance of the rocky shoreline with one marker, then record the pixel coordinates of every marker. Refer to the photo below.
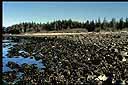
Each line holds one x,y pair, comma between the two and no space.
75,59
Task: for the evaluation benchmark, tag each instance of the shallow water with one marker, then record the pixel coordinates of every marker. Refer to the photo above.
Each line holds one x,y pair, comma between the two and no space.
8,43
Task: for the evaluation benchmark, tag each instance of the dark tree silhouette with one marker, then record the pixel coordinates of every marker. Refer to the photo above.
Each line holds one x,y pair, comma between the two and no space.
104,24
126,23
121,24
92,26
26,27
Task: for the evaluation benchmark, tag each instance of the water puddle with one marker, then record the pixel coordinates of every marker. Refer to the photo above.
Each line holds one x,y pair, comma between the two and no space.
20,60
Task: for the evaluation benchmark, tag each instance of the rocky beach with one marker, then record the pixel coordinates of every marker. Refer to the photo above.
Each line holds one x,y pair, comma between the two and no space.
89,59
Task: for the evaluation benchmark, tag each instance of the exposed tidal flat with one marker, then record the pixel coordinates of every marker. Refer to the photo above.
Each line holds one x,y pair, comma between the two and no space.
90,58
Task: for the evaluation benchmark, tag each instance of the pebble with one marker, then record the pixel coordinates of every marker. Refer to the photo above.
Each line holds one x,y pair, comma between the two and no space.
102,77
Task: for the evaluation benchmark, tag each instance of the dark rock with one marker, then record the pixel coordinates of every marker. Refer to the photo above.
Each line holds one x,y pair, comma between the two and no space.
12,65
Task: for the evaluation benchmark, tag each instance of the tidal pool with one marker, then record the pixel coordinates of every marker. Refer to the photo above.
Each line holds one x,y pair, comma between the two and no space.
20,60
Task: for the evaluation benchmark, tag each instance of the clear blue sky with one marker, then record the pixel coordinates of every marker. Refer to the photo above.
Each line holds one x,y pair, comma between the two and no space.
16,12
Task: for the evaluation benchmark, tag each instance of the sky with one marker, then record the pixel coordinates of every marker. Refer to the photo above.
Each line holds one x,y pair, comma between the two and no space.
18,12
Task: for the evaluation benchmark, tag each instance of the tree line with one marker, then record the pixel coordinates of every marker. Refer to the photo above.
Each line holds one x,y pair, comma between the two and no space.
90,26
